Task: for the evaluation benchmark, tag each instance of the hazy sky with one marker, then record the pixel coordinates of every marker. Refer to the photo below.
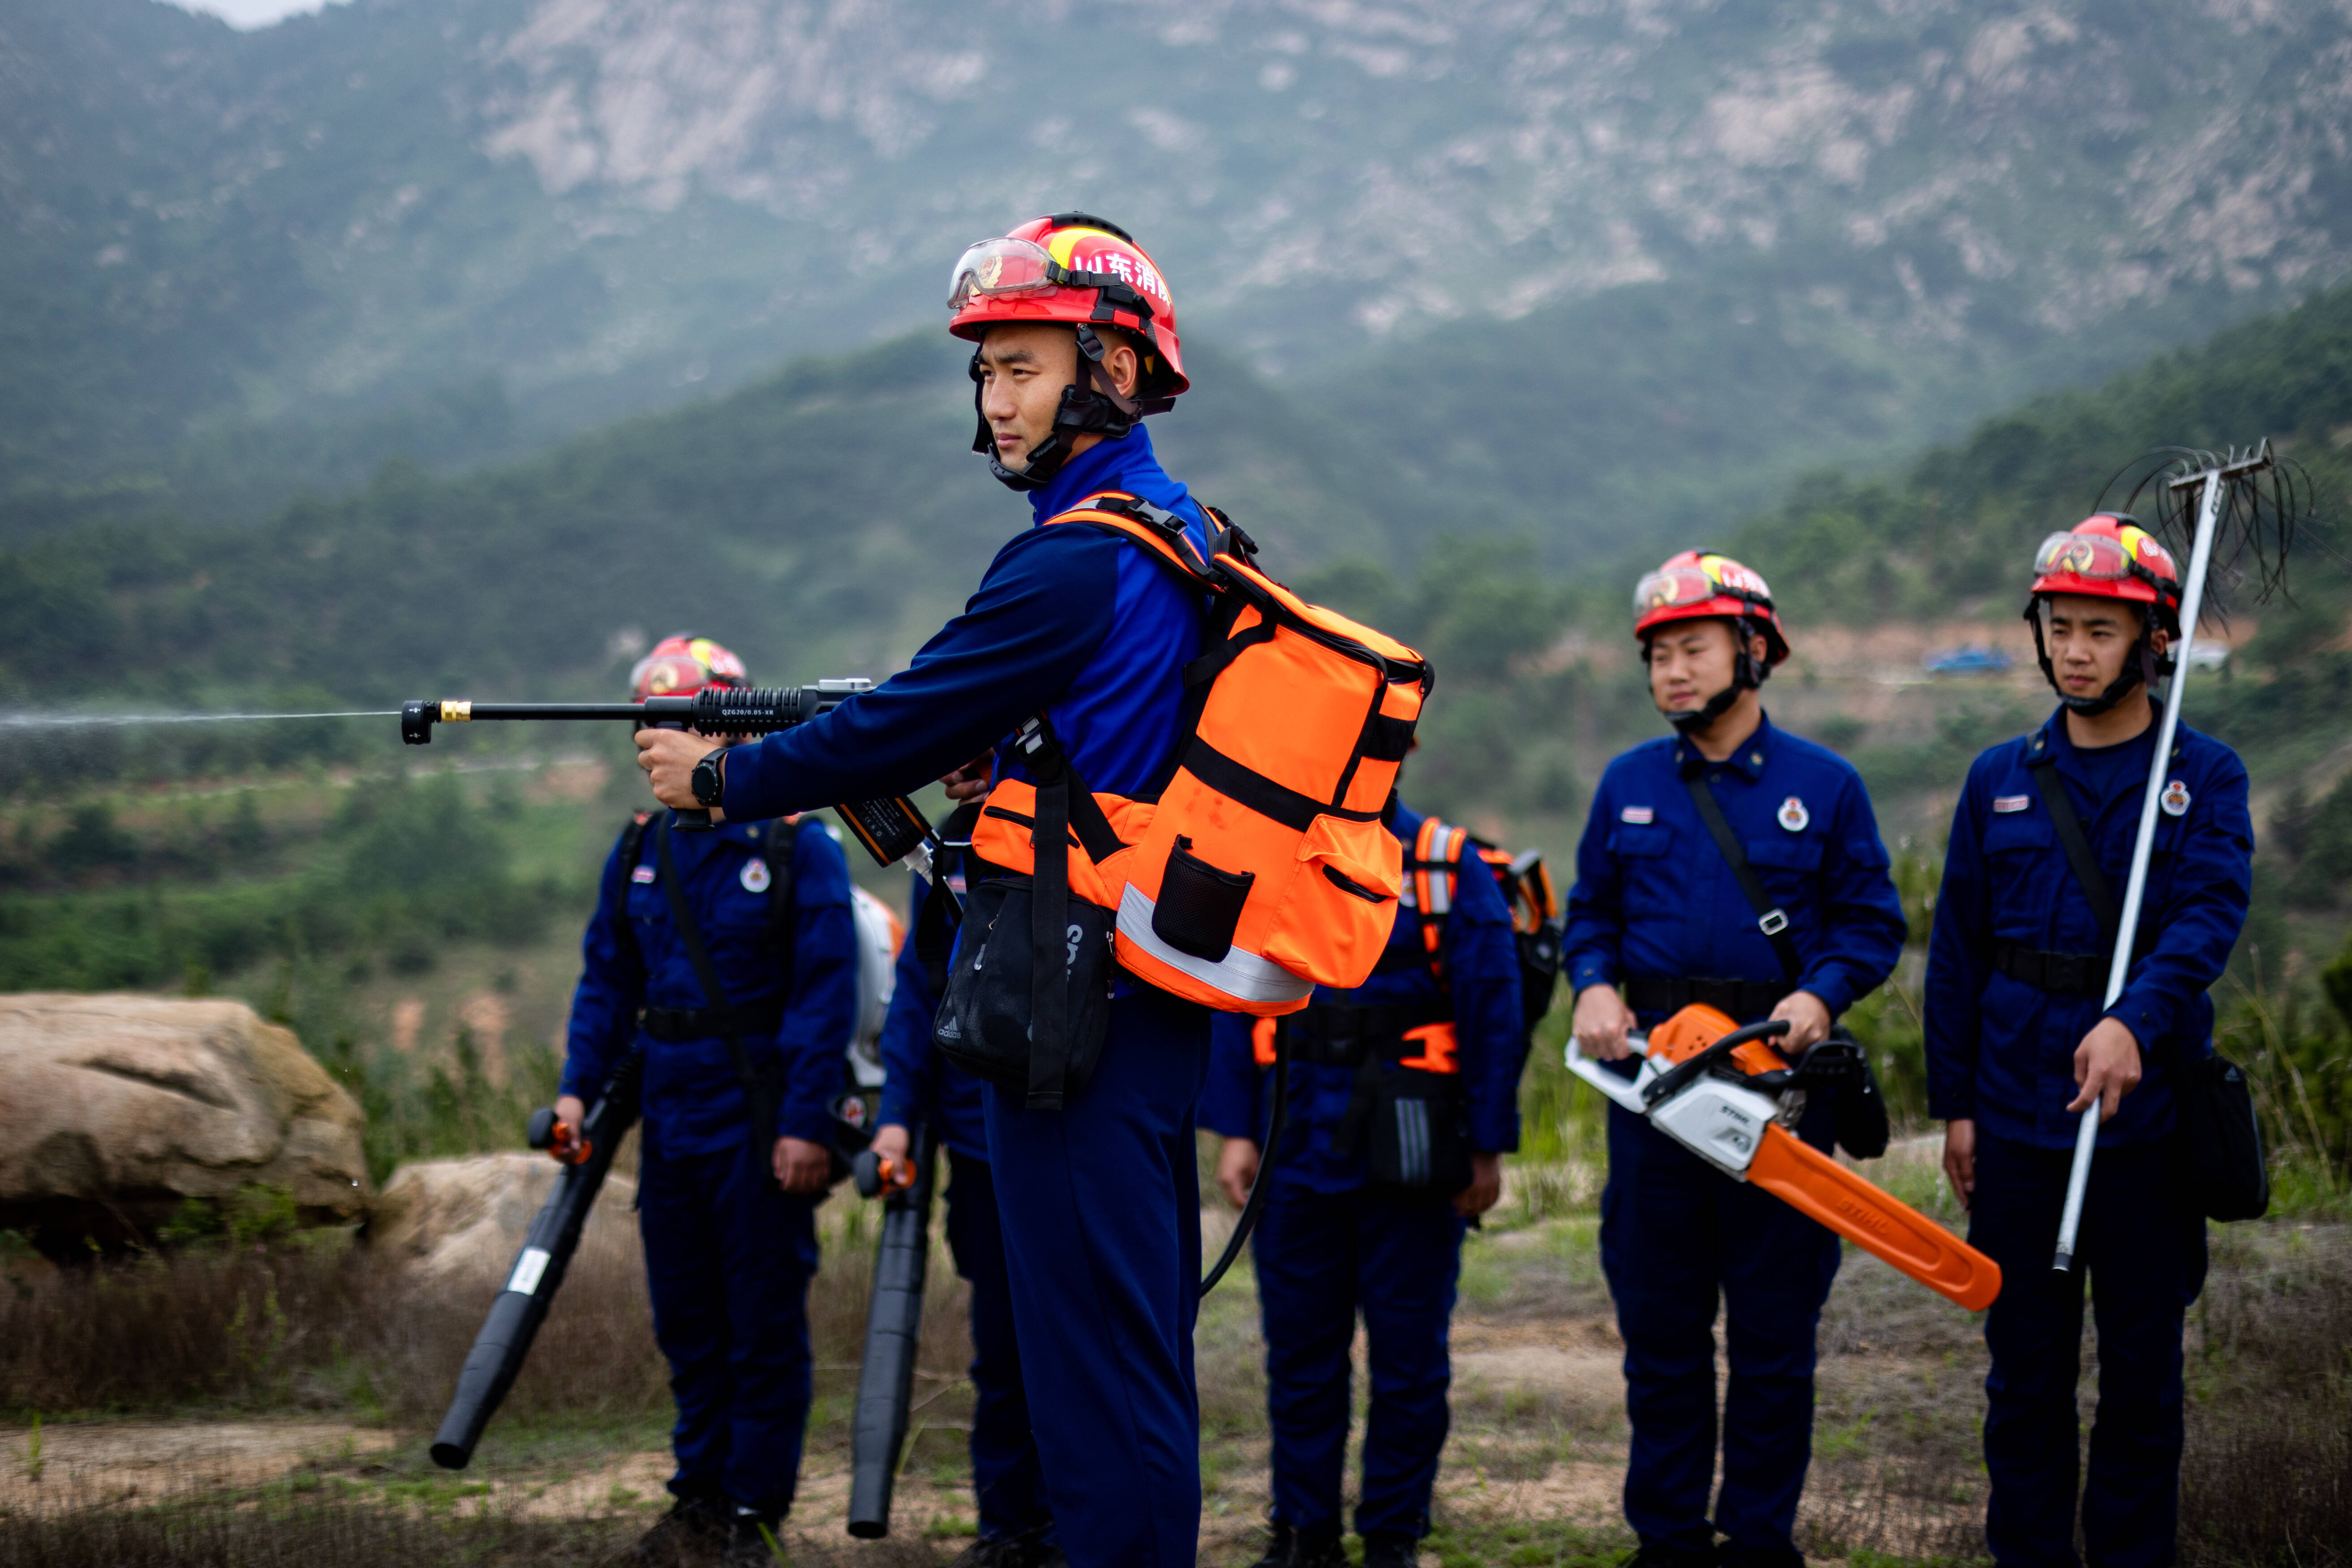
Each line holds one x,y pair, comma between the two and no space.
252,13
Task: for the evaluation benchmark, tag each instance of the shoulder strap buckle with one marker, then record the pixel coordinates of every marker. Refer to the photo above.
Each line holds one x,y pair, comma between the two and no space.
1772,922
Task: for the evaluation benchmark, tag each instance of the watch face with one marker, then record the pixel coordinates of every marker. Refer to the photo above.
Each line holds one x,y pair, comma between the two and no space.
707,780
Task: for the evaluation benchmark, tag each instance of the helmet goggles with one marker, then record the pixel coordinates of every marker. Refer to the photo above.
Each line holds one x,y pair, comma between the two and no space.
2096,557
996,268
1688,583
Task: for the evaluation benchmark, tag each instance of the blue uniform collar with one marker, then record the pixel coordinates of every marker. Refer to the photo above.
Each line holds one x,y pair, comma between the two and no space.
2051,743
1749,760
1128,463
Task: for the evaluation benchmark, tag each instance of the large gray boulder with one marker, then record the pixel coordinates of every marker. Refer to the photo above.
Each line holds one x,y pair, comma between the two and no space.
455,1224
115,1109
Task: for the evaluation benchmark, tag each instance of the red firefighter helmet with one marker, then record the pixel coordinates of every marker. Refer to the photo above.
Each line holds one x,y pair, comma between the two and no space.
1078,268
2110,556
1696,584
683,665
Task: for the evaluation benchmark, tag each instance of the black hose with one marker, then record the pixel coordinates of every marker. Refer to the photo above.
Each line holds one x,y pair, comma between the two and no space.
1248,1221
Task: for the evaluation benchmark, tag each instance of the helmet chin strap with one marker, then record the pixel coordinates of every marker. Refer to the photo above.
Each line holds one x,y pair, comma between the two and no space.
2142,670
1084,411
1747,673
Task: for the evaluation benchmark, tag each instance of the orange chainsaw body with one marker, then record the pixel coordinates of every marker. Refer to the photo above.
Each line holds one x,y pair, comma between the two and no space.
1828,1192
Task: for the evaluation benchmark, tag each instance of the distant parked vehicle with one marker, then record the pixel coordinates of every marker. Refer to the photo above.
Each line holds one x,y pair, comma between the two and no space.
1970,660
2208,655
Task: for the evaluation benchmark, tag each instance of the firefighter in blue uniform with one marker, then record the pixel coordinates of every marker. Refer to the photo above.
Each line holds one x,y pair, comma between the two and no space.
1099,1201
727,1194
2017,1047
918,1087
1333,1239
1659,909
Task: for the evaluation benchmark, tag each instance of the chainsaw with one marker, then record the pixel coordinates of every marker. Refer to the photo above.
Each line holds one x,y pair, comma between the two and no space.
1730,1096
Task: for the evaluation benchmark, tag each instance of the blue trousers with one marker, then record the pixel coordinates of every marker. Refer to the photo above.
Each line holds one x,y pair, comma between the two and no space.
729,1258
1676,1236
1101,1208
1006,1481
2142,1244
1321,1257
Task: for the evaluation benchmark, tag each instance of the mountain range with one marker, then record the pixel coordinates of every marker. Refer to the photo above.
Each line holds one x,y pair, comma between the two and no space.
1594,270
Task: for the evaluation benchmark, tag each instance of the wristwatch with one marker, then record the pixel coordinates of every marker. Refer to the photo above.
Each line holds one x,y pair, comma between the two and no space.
709,778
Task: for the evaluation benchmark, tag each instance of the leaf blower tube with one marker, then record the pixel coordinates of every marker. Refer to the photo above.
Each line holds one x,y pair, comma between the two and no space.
891,830
894,1325
547,1248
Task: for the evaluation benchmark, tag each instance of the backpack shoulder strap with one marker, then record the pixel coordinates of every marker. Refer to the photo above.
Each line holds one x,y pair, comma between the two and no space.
1431,862
1161,534
1772,920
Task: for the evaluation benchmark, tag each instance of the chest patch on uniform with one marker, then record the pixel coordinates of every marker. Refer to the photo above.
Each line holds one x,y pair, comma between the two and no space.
2004,803
2175,798
642,874
755,875
1637,814
1794,816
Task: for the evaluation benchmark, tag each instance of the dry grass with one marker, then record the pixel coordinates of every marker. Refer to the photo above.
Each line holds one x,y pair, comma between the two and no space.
1530,1475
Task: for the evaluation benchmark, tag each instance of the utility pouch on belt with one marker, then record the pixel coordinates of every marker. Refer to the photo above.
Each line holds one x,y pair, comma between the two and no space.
1418,1127
2220,1139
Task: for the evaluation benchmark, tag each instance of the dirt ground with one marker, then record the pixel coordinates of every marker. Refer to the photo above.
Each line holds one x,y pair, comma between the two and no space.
1538,1435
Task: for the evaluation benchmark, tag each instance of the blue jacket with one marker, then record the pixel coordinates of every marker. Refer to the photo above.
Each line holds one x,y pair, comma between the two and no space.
1072,620
916,1085
693,1100
1482,965
2003,1052
1653,895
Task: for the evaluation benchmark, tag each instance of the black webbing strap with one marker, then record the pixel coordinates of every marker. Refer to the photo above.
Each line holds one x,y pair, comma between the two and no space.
1049,912
1744,1000
633,848
764,1113
1770,919
2086,865
783,840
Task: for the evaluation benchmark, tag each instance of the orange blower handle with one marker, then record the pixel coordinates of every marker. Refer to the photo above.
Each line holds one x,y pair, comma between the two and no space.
559,1139
1883,1226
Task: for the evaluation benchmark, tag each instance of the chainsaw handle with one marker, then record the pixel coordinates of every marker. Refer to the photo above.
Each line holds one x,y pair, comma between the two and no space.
1683,1072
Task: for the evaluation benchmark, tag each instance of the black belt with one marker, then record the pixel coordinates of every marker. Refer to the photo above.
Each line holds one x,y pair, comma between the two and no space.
1671,994
1330,1034
2060,974
711,1023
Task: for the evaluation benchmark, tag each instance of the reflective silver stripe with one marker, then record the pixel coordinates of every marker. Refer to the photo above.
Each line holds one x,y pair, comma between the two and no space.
1443,844
1240,974
1413,1142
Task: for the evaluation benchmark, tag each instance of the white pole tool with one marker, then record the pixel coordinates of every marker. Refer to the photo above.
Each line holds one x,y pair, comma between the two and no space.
2215,480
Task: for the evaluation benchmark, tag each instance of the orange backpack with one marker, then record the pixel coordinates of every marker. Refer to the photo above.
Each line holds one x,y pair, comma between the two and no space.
1260,871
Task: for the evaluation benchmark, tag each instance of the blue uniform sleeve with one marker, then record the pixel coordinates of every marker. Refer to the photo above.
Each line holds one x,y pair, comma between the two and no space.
822,1009
1232,1102
612,989
1592,945
2204,909
1862,914
1482,968
1960,959
1042,610
910,1065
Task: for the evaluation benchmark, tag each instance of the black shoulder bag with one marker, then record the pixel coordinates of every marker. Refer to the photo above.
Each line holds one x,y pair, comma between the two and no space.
1027,1005
1838,1064
2219,1133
